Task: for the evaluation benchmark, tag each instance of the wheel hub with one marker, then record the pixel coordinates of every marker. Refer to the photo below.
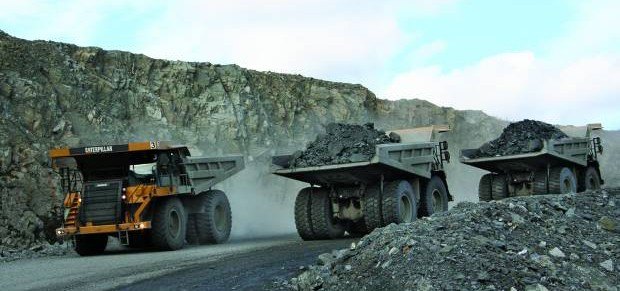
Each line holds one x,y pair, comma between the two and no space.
567,186
437,201
406,209
220,218
175,223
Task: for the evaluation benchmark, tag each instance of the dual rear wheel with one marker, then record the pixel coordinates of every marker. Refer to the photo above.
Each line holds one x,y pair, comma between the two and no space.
172,225
492,187
314,217
560,180
213,222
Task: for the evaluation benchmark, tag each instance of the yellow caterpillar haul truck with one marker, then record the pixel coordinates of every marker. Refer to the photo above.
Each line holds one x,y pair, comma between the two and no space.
144,193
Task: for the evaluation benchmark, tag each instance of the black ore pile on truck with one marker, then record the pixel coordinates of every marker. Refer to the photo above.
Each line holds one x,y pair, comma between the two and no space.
520,137
341,144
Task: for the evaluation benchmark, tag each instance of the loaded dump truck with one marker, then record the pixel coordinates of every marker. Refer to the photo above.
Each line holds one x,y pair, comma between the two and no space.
143,193
399,183
566,165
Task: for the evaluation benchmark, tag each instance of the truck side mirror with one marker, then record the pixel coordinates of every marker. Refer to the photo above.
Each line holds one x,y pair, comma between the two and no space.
443,145
445,156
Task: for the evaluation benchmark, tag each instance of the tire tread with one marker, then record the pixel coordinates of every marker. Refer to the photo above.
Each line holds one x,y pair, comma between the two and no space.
484,187
303,222
373,217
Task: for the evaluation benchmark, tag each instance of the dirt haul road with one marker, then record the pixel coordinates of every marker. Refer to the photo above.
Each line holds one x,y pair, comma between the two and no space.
236,265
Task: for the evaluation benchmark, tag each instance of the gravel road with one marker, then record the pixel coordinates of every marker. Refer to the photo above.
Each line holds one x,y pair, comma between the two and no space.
236,265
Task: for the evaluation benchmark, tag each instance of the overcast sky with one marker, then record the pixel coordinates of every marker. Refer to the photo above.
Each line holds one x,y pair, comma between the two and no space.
554,60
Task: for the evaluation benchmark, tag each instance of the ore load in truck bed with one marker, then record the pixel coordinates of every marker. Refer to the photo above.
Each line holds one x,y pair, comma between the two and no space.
341,144
521,137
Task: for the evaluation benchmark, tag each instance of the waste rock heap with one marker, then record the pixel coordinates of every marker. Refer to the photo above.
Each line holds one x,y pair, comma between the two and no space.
551,242
343,143
520,137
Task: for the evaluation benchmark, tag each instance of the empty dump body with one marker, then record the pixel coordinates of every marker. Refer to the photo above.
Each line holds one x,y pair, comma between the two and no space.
204,172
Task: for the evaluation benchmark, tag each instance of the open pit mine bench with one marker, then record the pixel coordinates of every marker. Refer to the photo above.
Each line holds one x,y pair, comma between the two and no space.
401,182
561,166
144,193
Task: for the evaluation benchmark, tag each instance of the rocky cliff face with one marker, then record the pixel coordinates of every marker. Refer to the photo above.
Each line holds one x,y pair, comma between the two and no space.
55,94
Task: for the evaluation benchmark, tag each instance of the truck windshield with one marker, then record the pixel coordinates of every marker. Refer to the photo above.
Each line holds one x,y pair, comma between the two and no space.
143,169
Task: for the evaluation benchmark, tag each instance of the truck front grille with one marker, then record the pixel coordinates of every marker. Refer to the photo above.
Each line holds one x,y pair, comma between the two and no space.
101,202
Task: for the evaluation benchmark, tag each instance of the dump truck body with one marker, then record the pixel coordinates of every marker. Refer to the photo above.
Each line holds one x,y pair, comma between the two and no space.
392,161
120,190
561,166
358,197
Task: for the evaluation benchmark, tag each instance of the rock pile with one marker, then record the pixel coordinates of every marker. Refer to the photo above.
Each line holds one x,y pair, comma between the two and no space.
520,137
554,242
343,143
35,251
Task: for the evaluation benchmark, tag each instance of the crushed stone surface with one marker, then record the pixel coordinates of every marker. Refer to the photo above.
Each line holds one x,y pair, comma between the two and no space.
41,250
547,242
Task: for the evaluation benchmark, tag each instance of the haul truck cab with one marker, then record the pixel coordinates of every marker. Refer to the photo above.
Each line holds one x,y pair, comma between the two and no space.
144,193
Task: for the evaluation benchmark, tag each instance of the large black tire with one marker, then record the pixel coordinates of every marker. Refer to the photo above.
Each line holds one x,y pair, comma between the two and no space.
434,197
372,207
562,181
540,183
398,204
169,224
499,189
484,187
303,221
592,181
324,225
90,244
213,223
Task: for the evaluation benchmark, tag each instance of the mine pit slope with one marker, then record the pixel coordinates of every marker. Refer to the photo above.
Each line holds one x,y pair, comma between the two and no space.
547,242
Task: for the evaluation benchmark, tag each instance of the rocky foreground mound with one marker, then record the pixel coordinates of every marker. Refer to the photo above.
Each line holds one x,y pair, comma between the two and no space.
520,137
343,143
554,242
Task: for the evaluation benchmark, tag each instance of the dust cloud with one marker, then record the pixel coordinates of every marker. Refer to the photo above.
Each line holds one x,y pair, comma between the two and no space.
262,204
610,168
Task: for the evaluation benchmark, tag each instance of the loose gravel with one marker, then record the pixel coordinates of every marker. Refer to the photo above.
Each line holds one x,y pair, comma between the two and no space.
550,242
